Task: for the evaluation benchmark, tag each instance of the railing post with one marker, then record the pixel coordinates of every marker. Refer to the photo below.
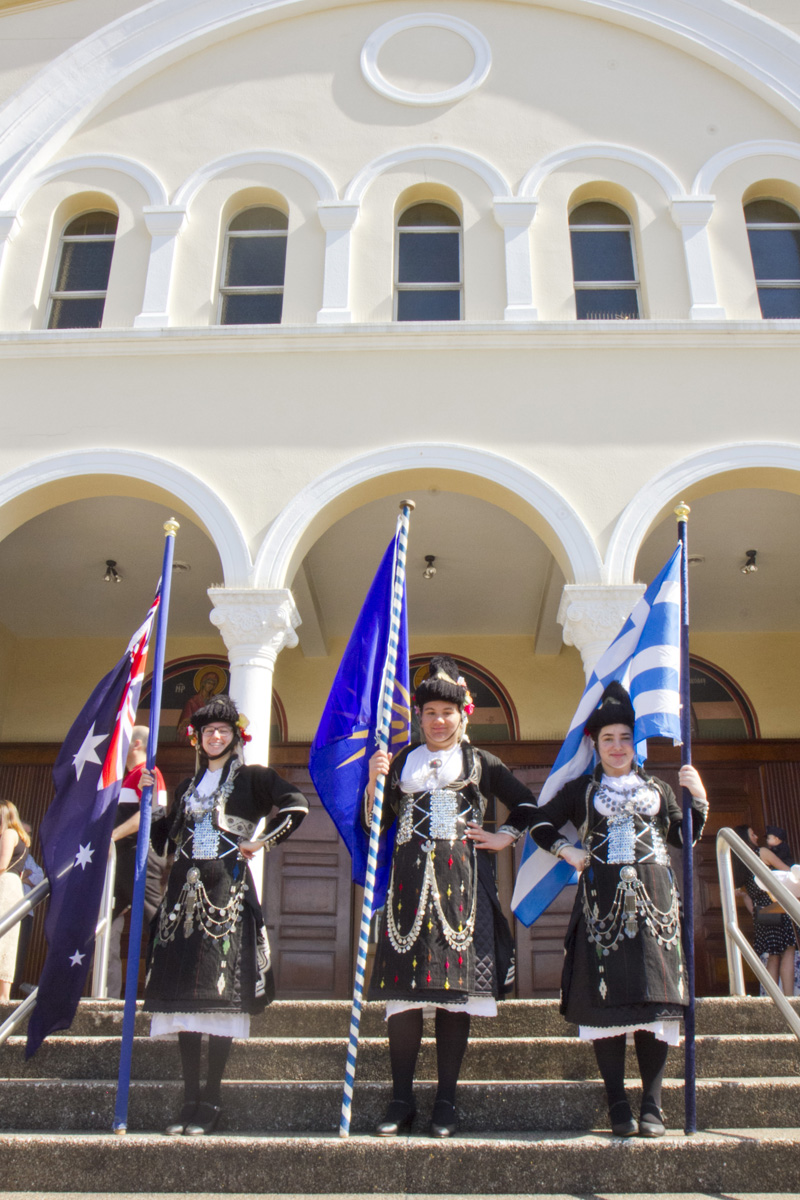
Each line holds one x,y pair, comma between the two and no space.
730,918
102,943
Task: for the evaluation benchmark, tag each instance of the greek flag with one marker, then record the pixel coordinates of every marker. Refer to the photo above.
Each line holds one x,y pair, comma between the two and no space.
645,658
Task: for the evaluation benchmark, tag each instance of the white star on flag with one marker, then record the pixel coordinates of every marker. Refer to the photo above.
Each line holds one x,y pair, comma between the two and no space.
77,959
84,856
87,751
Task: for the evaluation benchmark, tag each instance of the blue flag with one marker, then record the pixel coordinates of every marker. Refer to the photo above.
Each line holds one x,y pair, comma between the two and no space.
645,658
345,740
76,832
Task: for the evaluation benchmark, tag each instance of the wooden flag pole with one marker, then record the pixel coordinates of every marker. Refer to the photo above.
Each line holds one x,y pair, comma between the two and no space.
383,734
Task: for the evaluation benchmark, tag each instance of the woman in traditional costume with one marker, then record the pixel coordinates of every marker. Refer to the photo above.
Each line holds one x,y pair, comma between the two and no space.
624,967
444,945
209,968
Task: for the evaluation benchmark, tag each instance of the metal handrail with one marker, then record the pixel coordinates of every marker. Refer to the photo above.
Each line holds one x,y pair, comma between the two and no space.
736,944
102,939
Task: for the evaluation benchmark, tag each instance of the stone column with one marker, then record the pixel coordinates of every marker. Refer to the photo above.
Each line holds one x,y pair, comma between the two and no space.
515,218
691,214
164,223
338,219
592,616
255,625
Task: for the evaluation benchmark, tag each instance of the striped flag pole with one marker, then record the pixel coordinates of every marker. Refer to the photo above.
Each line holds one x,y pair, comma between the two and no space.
382,737
120,1124
690,1095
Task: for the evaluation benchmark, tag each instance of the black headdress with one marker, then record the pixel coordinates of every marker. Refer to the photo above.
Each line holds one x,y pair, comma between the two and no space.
615,708
784,850
220,708
443,682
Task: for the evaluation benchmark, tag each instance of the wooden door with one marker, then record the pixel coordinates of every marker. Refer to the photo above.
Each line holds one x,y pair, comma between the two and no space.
307,904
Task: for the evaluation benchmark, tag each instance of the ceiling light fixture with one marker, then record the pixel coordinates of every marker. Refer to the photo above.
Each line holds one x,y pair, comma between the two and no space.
112,575
430,570
750,567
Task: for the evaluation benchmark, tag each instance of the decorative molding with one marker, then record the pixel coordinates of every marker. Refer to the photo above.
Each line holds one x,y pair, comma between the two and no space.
495,182
255,623
376,41
40,117
149,182
164,223
515,218
198,497
592,617
338,219
308,170
710,172
672,484
284,543
666,179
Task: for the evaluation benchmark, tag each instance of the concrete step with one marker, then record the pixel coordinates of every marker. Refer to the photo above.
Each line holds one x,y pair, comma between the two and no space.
258,1107
739,1056
516,1018
737,1160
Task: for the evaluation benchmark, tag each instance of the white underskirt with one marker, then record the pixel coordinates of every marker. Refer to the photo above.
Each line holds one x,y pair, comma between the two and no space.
665,1031
476,1006
220,1024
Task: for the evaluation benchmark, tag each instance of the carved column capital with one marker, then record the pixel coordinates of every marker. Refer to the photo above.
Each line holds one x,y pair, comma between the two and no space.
255,623
592,615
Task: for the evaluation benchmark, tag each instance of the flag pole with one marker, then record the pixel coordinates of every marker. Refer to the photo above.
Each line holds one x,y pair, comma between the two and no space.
120,1125
690,1097
382,737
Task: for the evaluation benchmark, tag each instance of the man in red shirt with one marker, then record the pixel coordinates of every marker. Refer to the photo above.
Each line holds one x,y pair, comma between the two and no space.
126,828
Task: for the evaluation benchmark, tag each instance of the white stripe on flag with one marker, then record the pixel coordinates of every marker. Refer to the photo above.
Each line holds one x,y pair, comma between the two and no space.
660,700
666,657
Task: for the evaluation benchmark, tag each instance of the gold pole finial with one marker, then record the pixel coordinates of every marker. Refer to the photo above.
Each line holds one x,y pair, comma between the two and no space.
682,511
407,504
171,527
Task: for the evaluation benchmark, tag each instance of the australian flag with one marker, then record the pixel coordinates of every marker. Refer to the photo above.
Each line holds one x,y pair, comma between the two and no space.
345,740
76,832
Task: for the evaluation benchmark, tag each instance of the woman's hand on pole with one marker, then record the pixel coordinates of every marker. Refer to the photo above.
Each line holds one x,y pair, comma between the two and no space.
574,855
689,778
147,778
378,765
485,840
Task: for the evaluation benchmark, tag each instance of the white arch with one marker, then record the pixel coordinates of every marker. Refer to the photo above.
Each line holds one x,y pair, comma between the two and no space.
277,553
663,176
497,185
42,114
149,182
197,495
636,521
272,158
709,173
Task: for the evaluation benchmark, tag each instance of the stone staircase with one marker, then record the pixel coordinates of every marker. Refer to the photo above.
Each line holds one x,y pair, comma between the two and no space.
528,1096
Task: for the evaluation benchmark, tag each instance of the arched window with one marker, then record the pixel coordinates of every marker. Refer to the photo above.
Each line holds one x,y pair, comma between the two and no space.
774,232
254,264
79,289
603,264
428,264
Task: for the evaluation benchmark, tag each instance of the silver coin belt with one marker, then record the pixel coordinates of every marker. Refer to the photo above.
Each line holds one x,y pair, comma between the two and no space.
457,939
631,902
193,909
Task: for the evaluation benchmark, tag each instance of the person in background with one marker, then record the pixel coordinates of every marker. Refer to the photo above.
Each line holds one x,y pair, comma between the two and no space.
125,836
14,842
774,931
32,874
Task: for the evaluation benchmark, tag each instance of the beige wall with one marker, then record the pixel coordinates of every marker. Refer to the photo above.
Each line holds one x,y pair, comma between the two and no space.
767,668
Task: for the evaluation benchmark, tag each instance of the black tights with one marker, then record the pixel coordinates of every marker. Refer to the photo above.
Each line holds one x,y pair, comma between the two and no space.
218,1050
405,1035
652,1056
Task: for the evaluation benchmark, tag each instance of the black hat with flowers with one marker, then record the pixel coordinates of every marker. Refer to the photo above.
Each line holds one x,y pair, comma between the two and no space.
443,682
615,708
220,708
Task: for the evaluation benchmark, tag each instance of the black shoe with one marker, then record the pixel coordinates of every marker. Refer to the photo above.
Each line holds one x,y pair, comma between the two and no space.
179,1125
206,1119
399,1118
443,1120
651,1122
621,1117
